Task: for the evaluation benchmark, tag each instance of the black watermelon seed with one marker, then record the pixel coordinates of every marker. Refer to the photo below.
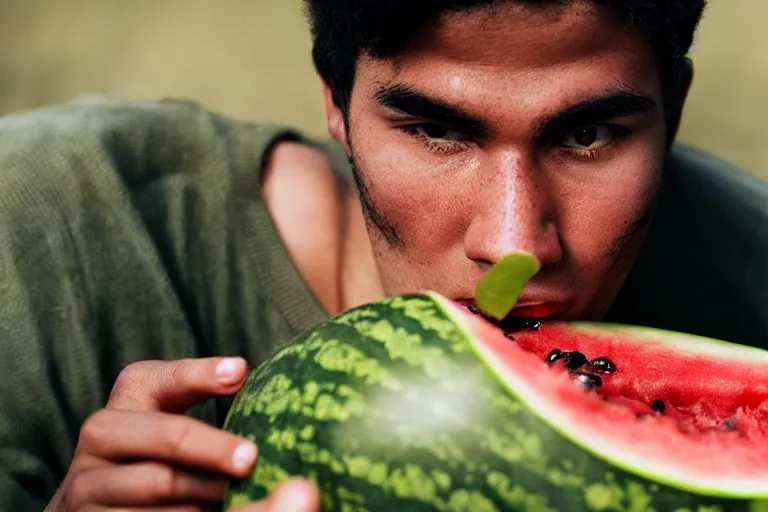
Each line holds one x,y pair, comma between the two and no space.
509,335
603,364
575,360
473,309
515,323
532,323
554,356
729,424
659,406
589,380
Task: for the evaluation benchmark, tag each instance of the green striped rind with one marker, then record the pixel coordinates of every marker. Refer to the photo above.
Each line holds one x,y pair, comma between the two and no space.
387,407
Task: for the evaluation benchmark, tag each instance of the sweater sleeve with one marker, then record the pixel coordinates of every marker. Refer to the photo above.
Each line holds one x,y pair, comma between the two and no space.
84,287
128,231
36,434
80,281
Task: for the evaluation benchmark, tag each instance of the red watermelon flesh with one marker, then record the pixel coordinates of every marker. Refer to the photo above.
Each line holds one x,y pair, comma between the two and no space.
713,432
700,392
710,393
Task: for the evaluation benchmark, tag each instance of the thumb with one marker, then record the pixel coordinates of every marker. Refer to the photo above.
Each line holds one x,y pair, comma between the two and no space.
293,495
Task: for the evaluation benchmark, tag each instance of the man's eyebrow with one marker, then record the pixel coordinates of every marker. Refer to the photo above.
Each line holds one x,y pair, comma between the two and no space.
613,105
409,101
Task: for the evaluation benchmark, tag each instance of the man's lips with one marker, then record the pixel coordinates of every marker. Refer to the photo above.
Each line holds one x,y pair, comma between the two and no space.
540,310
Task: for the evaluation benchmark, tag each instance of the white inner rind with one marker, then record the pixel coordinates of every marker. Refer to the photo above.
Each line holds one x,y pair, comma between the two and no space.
739,479
688,343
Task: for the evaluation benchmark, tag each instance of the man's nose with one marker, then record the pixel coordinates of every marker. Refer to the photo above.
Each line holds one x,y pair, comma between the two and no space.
515,211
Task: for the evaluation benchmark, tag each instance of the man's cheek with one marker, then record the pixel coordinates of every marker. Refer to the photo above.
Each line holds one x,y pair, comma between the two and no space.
425,206
423,217
594,227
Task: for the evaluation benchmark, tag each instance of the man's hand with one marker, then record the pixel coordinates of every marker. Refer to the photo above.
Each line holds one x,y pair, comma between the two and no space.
291,496
140,452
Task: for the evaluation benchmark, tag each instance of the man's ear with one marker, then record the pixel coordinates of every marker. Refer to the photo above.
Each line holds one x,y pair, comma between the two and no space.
678,84
337,125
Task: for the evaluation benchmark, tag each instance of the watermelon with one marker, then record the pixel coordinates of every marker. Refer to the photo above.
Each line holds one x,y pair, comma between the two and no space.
414,403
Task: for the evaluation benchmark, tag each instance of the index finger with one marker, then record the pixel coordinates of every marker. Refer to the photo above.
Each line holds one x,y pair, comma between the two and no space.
175,386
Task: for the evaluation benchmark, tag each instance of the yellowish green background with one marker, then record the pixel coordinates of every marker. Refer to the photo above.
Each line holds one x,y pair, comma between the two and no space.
250,58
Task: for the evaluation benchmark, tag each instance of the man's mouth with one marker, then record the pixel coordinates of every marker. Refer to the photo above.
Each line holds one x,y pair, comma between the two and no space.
540,310
525,315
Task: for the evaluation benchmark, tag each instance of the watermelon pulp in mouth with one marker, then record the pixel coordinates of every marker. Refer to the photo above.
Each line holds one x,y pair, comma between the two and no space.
412,404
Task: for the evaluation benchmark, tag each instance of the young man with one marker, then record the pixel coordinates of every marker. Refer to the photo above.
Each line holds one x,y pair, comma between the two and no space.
141,242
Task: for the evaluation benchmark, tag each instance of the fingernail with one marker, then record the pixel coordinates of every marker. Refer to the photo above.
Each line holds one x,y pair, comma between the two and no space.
244,456
228,370
290,498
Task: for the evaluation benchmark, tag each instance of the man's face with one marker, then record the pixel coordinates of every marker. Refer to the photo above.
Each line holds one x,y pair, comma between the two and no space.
517,128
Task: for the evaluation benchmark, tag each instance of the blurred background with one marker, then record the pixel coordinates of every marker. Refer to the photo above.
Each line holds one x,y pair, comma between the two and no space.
251,59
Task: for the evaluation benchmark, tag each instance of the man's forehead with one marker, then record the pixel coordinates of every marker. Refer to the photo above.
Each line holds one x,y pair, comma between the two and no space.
503,15
518,31
520,71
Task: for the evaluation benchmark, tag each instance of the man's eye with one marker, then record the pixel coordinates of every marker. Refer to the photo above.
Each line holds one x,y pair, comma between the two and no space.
434,132
590,137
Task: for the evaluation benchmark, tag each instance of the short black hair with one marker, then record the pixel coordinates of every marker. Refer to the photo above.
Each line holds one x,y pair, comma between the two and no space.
343,30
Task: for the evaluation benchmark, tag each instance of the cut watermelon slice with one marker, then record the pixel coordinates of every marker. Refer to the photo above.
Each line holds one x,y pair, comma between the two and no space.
713,436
